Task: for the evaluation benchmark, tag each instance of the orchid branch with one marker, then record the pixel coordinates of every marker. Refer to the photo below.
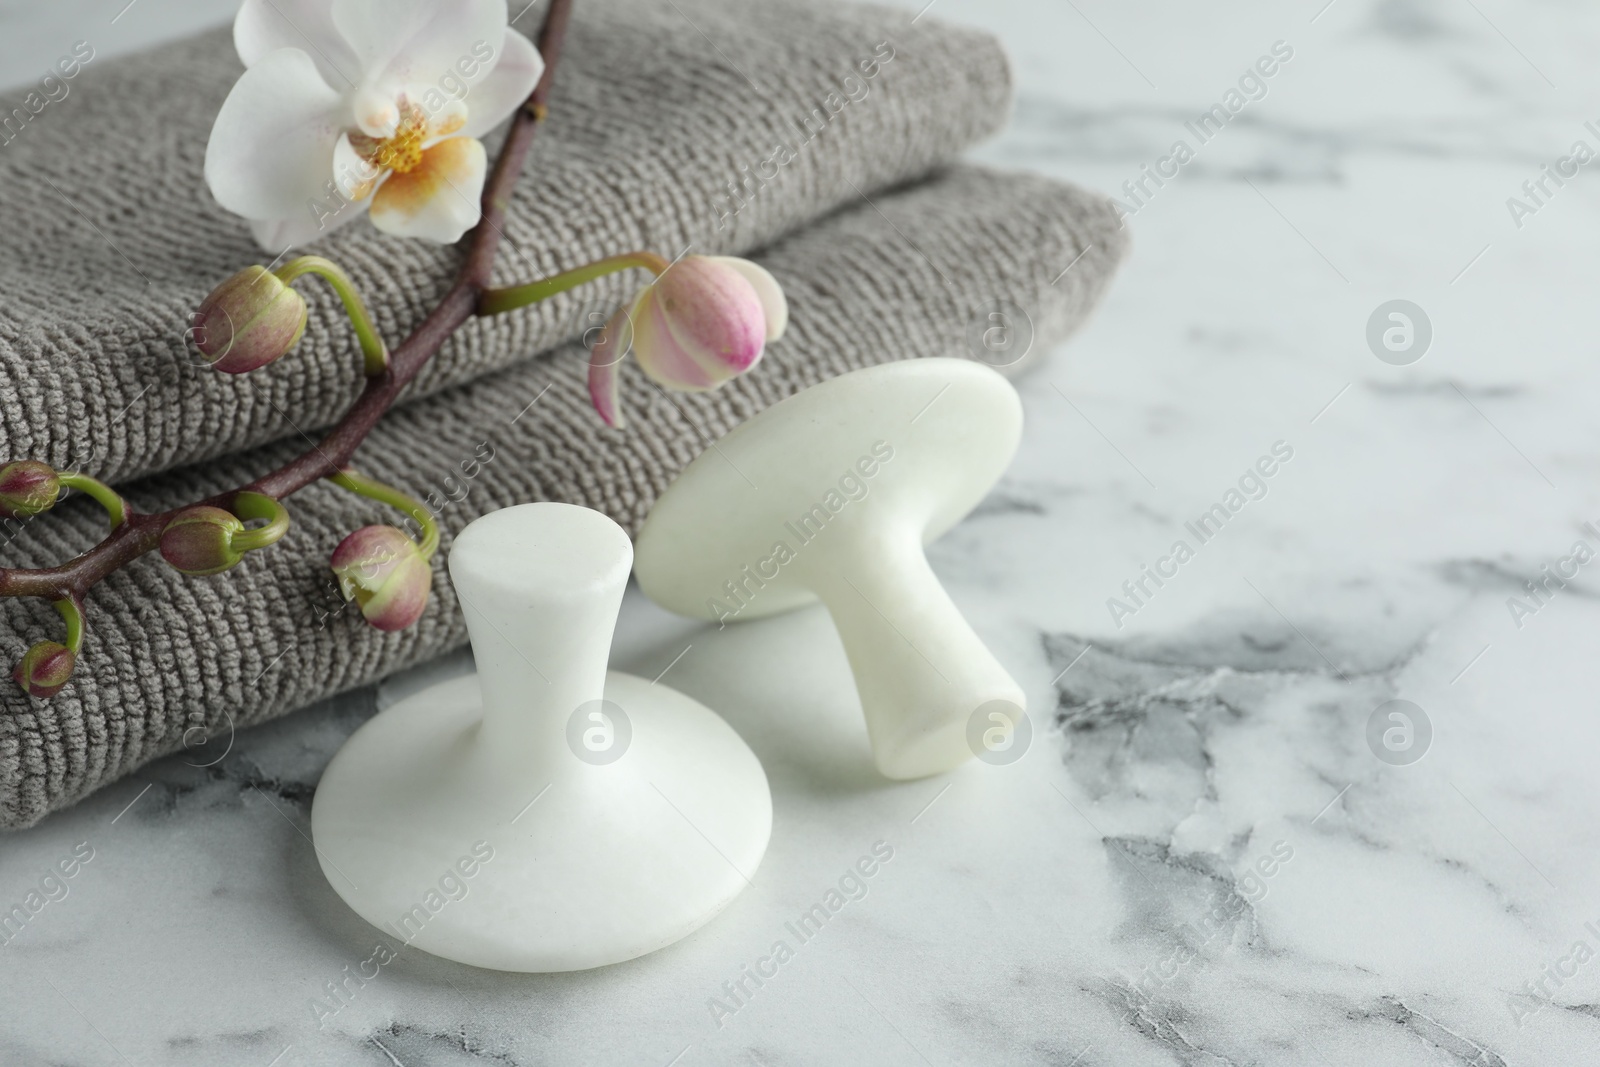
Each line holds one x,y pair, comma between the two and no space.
701,320
135,534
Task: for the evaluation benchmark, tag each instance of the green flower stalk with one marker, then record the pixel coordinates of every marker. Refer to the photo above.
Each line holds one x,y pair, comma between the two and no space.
103,494
375,354
496,301
372,489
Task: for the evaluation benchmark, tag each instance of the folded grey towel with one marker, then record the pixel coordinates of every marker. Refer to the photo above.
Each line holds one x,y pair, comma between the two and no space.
170,657
713,124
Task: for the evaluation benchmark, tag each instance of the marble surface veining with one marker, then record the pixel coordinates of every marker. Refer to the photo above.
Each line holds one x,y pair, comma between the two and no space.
1201,859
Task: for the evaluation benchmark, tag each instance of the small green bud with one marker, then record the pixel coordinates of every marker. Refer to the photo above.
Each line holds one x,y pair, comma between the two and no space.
199,540
386,574
27,487
45,668
248,321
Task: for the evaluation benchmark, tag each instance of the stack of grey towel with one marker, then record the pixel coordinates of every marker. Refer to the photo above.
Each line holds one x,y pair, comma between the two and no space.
818,138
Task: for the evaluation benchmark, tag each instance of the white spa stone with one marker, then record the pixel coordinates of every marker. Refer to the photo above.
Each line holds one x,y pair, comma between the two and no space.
537,828
832,494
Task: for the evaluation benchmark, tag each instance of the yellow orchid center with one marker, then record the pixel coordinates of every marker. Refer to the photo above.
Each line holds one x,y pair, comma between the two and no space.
402,151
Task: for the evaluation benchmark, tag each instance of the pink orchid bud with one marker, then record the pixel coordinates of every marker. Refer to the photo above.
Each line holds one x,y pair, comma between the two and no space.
199,540
384,572
704,321
44,669
248,321
27,487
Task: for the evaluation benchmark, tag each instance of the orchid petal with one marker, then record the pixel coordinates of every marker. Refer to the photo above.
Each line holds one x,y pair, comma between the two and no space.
705,324
446,117
271,150
662,356
403,41
773,303
439,200
400,602
505,87
376,110
302,228
264,26
352,174
605,363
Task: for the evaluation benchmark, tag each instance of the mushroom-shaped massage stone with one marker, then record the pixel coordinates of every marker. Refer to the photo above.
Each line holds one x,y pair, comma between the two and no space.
832,494
544,815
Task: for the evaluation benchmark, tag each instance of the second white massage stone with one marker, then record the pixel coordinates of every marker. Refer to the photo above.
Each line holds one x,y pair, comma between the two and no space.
545,815
831,495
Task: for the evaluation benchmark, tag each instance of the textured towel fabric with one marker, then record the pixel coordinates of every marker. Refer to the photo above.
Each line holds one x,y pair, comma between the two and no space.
170,657
112,239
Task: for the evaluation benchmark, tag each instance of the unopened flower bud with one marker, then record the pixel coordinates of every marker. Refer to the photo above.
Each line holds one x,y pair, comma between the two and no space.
199,540
385,574
706,320
44,669
27,487
248,321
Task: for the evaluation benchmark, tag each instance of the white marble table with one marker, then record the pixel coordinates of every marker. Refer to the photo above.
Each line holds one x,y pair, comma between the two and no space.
1103,901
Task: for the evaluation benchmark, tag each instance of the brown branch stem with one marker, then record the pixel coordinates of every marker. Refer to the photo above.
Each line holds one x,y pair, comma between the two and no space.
141,533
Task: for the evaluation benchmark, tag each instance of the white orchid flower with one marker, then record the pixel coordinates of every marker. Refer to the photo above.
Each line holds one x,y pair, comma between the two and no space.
351,107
